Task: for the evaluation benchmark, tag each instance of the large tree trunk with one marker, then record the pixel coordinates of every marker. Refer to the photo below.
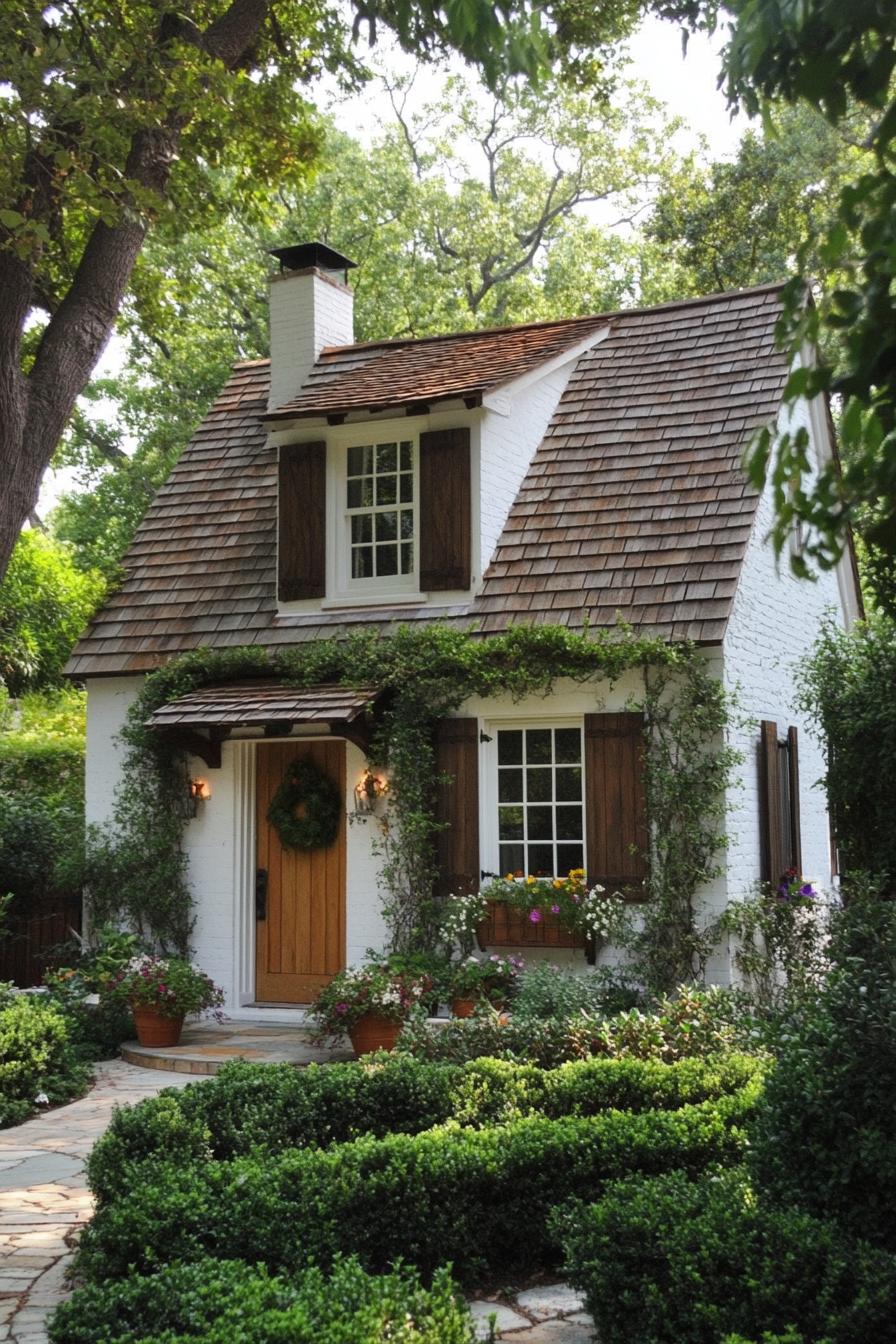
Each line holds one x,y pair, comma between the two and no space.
35,407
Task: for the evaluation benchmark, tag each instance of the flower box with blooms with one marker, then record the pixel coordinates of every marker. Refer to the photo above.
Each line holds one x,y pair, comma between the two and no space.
551,912
164,988
482,980
372,990
795,889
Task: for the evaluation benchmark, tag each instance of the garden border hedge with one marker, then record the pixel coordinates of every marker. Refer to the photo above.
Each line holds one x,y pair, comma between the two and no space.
449,1194
262,1107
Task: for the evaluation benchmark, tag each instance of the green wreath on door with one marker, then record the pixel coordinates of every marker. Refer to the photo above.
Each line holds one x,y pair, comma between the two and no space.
305,785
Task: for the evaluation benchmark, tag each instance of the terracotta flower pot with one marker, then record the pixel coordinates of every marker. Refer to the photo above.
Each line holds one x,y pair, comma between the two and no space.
155,1029
372,1032
463,1007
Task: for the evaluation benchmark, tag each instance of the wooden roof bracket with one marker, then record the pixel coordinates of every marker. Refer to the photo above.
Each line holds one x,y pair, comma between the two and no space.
208,749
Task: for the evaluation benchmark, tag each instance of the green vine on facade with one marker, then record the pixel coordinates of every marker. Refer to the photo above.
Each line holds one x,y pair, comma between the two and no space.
426,674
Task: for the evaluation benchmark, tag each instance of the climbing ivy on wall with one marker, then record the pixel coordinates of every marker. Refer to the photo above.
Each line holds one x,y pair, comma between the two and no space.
428,672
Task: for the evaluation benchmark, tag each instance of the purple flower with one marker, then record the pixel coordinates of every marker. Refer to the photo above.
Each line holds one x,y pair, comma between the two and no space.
534,916
807,890
341,1008
555,909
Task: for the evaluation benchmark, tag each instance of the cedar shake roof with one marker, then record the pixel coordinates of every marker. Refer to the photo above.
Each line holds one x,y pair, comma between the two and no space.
635,505
385,374
253,704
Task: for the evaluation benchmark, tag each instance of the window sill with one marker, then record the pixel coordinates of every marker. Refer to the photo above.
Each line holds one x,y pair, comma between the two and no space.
350,602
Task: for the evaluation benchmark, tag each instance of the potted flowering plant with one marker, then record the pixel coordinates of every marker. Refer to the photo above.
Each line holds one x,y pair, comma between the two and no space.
369,1004
161,991
482,980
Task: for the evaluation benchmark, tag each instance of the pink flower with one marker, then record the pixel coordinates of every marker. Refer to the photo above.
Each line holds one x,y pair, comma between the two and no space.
341,1008
534,916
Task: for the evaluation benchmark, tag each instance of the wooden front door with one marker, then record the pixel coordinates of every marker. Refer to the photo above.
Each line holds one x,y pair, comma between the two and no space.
300,942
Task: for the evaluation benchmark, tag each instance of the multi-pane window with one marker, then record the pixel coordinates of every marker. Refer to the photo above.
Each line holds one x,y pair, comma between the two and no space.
541,826
380,509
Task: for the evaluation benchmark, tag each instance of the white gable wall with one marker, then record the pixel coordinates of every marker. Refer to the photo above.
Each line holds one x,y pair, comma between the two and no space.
508,444
775,621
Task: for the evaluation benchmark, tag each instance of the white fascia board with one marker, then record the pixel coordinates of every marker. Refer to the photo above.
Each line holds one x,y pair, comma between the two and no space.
500,399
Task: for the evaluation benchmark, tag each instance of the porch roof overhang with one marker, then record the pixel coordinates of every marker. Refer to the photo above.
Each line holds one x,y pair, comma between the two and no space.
201,720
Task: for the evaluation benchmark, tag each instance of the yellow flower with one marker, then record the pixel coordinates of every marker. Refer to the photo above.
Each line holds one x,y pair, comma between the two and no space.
558,882
509,877
530,881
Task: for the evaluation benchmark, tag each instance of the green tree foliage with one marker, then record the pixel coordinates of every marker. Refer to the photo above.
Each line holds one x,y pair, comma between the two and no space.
45,602
841,60
744,221
847,688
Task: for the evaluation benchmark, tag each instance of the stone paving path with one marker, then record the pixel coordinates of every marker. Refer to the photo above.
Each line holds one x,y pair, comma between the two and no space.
44,1198
44,1202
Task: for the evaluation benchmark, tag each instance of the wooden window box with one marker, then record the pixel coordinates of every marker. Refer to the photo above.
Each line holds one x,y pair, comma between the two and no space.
505,926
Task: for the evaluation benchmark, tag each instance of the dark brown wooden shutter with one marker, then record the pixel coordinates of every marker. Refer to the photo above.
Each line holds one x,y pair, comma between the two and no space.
615,810
772,848
793,770
445,508
457,806
301,517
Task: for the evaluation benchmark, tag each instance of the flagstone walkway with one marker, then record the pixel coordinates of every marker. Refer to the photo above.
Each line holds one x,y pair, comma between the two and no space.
44,1202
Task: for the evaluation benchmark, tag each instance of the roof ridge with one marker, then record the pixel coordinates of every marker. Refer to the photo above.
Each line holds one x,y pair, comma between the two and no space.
672,304
466,335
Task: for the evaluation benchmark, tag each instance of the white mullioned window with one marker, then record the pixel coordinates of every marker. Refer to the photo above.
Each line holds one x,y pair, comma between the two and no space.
380,511
540,800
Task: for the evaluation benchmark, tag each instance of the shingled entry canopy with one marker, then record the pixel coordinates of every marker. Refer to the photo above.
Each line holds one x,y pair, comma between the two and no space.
218,710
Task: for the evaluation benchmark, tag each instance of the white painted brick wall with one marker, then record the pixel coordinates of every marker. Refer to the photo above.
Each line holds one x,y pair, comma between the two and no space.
774,623
308,311
507,447
108,701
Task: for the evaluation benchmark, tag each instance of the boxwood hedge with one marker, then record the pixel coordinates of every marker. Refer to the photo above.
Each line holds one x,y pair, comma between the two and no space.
272,1108
228,1302
477,1198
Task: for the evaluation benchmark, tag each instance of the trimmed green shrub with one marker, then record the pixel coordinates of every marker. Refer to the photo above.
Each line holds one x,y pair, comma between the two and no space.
672,1259
252,1107
824,1137
228,1302
450,1194
35,1056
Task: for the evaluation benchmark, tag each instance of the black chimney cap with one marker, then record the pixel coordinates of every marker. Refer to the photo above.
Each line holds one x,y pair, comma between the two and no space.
302,255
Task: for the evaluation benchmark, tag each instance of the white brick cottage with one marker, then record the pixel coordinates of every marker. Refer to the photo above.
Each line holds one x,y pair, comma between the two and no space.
556,473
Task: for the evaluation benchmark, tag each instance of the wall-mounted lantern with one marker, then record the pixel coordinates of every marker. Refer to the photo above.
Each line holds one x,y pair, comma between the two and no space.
198,791
369,789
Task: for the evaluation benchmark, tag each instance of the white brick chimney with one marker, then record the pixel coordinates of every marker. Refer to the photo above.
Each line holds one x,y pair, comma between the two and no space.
310,307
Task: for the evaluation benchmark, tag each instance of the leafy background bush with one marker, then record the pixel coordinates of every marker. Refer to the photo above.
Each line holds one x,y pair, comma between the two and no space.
36,1055
693,1022
41,806
824,1138
672,1258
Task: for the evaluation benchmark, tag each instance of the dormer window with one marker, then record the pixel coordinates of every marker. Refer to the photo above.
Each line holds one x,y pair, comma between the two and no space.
380,510
368,515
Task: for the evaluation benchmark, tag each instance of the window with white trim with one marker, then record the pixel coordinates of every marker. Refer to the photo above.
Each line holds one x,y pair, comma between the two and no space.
540,799
380,512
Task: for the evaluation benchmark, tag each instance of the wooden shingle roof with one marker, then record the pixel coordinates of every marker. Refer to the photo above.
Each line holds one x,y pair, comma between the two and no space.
253,704
384,374
635,505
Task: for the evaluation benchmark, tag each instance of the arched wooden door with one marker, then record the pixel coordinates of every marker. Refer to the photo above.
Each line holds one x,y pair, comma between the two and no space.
300,940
